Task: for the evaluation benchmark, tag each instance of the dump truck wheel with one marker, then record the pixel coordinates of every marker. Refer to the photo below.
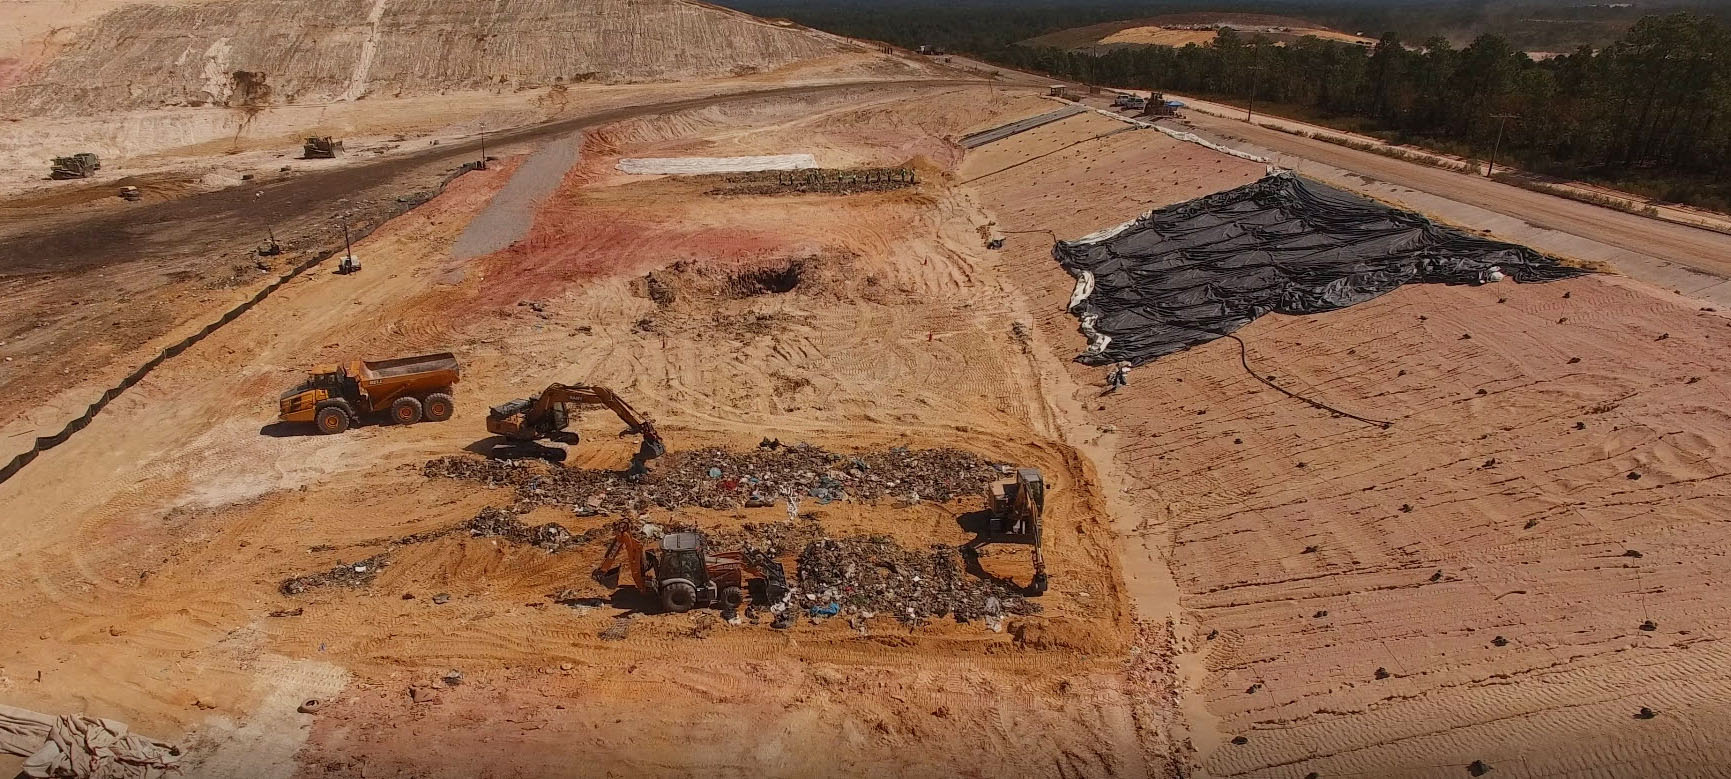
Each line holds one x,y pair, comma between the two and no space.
406,411
732,598
438,407
678,597
332,419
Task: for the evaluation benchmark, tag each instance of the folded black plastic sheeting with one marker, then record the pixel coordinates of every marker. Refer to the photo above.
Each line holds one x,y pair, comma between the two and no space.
1189,273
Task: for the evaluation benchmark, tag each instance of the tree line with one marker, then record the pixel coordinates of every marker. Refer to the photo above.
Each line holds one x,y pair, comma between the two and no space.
1650,112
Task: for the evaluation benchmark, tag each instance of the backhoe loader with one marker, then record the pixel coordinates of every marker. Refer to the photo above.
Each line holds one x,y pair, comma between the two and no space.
547,416
681,574
1016,506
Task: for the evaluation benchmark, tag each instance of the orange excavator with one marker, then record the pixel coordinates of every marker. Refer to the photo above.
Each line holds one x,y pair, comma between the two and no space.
682,574
547,416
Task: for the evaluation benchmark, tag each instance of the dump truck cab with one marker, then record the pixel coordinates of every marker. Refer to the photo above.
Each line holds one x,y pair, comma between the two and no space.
322,383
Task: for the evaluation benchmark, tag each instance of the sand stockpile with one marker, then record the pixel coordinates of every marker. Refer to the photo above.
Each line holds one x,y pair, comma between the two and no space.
229,52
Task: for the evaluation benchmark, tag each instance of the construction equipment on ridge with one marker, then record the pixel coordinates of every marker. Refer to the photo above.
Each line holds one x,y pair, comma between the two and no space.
334,397
548,416
82,165
321,148
682,574
1016,506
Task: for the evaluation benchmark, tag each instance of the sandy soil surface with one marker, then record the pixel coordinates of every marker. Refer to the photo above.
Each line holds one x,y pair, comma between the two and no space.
1508,574
1160,36
144,556
1168,30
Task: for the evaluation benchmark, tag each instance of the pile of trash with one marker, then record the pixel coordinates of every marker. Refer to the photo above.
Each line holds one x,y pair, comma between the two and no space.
356,574
870,576
716,478
840,182
551,537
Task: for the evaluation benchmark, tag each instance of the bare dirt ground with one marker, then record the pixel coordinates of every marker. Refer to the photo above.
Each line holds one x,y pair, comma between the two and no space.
1508,574
97,287
145,554
1242,585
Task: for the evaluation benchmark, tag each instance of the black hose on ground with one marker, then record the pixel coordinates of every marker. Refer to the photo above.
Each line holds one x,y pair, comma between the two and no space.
1244,359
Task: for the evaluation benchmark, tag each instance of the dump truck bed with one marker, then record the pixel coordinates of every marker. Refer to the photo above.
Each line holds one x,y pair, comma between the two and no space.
383,381
402,367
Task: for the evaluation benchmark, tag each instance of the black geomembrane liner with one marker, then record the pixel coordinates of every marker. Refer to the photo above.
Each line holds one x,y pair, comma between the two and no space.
1192,272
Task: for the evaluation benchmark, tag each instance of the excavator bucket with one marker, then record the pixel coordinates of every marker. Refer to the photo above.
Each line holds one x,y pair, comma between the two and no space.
606,578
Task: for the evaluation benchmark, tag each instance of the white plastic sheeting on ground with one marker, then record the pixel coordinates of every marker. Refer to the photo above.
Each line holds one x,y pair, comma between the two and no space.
77,747
695,165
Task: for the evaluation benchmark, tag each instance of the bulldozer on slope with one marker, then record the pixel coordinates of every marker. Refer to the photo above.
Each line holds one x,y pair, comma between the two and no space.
547,417
681,574
321,148
335,397
1015,507
82,165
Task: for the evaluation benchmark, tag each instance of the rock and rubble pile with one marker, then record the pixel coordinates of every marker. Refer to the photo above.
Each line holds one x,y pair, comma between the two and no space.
356,574
868,576
717,478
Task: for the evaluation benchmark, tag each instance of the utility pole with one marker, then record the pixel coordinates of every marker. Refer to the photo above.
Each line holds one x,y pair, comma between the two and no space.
1502,119
1255,70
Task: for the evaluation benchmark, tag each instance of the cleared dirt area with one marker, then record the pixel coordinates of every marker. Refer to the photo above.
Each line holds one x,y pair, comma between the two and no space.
1517,575
1508,574
190,506
1198,28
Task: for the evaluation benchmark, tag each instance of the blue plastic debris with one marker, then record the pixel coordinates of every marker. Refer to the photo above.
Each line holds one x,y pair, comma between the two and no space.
714,473
829,610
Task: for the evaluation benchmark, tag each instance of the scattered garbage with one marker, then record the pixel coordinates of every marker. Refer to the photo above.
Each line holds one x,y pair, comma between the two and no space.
355,574
1646,713
1649,626
878,575
717,478
1478,768
309,706
1382,673
441,599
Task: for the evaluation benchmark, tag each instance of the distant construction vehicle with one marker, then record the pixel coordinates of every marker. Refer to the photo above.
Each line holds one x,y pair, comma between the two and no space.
1159,107
411,389
321,148
682,574
1016,507
548,415
78,166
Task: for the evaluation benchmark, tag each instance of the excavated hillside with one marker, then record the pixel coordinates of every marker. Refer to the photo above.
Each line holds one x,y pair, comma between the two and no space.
257,53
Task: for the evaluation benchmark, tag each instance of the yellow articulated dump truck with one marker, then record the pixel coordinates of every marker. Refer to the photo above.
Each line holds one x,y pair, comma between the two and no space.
411,389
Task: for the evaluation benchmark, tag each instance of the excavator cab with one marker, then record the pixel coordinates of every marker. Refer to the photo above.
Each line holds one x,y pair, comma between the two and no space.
548,416
1016,507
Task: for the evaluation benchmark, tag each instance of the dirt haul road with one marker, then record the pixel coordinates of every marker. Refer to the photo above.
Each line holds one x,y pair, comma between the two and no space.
1703,250
144,557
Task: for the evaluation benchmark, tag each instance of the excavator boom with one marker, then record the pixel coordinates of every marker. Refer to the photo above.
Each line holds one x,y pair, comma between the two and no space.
548,414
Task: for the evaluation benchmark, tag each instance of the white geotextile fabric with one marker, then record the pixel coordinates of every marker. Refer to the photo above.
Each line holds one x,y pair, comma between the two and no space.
690,165
75,747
